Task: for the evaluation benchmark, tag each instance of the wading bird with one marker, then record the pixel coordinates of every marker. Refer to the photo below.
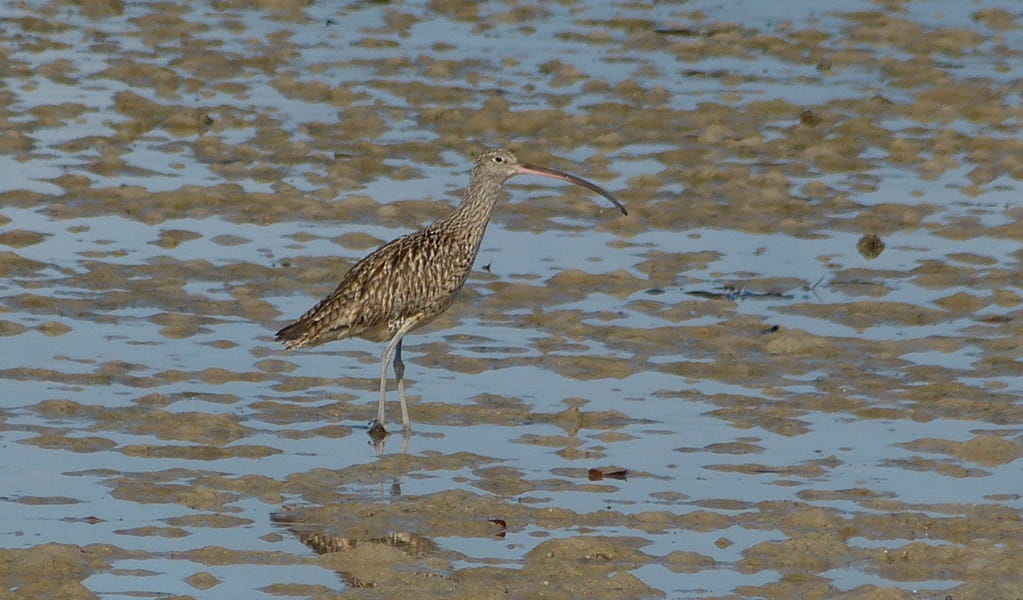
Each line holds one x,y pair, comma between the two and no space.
409,281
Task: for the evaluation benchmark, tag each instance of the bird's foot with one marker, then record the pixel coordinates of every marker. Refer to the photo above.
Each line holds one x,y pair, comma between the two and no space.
377,436
377,430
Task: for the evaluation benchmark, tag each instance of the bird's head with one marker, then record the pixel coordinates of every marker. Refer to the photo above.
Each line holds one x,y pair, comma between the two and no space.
500,164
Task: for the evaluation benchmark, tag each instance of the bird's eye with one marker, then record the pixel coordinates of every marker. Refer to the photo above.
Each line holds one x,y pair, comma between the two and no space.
499,159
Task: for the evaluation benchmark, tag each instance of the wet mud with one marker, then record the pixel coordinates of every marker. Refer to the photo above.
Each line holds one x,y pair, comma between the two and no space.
791,372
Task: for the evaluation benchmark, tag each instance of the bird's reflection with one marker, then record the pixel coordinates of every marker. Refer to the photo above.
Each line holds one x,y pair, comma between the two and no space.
314,535
332,537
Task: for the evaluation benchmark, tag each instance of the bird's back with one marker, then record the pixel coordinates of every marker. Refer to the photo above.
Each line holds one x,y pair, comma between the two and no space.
415,276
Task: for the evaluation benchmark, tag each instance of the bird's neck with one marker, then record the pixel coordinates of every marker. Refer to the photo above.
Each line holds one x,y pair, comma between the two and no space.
473,214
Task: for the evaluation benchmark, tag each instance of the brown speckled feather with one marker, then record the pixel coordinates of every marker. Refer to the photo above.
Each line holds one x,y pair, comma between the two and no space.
416,276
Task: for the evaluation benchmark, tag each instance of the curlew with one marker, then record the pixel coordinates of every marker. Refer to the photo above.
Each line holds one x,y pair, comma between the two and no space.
409,281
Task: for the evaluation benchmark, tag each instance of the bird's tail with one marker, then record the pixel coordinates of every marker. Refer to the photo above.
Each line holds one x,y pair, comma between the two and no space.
295,335
323,323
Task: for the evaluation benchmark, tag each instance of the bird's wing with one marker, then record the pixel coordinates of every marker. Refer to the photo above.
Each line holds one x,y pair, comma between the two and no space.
414,275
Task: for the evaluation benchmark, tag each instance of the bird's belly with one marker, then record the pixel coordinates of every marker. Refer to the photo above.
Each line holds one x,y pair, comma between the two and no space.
377,334
420,316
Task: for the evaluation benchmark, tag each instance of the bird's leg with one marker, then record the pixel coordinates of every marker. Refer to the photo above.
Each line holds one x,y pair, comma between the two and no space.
399,374
395,344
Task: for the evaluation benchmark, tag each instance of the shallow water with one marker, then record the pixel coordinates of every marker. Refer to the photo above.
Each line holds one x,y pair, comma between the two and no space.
791,371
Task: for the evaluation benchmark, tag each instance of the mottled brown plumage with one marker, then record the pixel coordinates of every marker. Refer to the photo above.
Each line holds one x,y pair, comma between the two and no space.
407,282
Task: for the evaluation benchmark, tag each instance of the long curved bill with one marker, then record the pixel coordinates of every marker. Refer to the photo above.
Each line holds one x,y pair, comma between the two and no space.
528,169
